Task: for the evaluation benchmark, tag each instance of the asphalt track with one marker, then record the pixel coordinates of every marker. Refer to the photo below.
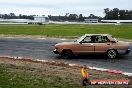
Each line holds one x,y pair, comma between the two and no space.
42,48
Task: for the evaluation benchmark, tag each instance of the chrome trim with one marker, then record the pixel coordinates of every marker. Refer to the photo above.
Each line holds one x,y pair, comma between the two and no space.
55,51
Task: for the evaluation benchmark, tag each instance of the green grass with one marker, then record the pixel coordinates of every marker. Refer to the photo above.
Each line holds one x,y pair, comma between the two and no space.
23,77
12,76
67,30
26,74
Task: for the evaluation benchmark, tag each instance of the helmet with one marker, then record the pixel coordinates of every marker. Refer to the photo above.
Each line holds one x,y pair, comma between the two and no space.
85,67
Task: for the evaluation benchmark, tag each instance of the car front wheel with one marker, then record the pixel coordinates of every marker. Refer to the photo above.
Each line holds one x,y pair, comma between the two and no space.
112,54
66,54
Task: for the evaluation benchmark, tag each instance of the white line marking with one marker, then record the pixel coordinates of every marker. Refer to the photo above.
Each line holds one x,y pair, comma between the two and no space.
63,39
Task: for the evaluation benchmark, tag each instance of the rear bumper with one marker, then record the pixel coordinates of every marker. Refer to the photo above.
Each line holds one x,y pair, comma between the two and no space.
55,51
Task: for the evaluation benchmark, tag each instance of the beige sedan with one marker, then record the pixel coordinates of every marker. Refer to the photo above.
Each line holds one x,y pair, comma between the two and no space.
93,44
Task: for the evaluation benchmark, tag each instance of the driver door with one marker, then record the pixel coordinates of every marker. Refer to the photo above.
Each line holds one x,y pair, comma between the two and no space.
85,46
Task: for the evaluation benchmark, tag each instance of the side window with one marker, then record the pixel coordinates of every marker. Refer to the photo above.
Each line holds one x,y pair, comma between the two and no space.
86,39
89,39
102,39
95,39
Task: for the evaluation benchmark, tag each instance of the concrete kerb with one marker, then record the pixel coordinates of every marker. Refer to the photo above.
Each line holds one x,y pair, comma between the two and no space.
51,62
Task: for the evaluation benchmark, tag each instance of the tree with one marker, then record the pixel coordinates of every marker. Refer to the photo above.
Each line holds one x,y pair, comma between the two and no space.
12,14
67,15
106,11
73,17
81,18
5,16
117,14
122,15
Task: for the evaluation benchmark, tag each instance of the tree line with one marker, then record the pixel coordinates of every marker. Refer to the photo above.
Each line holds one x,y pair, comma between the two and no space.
117,14
13,16
73,17
113,14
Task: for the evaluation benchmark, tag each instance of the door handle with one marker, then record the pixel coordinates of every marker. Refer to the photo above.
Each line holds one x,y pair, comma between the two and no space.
91,44
108,44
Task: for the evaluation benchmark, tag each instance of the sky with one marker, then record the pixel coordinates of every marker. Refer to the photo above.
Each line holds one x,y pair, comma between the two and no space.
61,7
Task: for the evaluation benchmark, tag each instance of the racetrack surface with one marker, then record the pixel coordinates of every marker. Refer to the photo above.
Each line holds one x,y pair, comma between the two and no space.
42,49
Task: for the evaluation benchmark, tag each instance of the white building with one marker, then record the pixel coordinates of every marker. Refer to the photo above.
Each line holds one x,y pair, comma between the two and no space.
116,21
14,20
91,20
37,20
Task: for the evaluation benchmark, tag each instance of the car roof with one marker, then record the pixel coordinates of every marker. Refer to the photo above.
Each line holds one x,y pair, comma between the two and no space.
97,35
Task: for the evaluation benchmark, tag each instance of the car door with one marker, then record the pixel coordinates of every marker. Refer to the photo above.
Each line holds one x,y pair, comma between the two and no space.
102,47
85,46
102,44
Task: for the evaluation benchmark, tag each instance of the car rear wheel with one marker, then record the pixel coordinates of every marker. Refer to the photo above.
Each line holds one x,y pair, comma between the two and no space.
112,54
66,54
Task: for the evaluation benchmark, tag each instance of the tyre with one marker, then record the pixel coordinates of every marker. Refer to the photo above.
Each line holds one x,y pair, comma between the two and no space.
112,54
66,54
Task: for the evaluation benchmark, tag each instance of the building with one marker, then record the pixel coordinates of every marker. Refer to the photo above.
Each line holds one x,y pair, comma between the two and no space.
14,20
116,21
91,20
37,20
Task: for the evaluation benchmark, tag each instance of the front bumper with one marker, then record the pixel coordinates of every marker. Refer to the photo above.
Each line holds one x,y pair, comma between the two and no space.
55,51
124,52
128,51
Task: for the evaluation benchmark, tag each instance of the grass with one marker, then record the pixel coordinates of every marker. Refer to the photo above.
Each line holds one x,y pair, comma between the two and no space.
26,74
67,30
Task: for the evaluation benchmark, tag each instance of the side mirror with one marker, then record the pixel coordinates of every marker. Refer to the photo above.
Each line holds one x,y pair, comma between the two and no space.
113,41
81,42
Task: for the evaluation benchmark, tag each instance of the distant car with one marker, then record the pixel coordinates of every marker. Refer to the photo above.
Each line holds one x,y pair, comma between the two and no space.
93,44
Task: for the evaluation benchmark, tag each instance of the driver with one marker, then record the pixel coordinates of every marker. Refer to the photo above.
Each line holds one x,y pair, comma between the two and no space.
93,38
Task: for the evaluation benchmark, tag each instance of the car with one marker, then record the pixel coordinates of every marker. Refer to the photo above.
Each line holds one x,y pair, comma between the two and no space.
93,44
